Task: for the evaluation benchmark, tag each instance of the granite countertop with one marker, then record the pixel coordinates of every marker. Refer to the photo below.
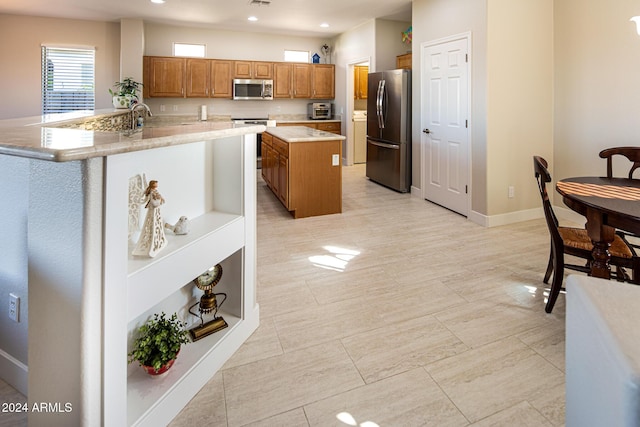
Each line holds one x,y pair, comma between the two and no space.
302,134
299,118
38,138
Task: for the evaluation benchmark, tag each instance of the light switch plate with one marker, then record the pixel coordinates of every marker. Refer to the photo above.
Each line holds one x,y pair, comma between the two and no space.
335,160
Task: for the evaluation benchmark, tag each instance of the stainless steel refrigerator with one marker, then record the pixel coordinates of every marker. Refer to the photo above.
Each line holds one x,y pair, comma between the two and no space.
389,129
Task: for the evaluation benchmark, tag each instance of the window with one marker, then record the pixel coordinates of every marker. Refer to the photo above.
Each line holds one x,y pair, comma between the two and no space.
296,56
185,49
68,79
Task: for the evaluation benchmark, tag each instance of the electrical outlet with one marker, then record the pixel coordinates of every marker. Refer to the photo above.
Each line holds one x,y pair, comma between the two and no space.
14,307
162,108
335,160
512,192
175,108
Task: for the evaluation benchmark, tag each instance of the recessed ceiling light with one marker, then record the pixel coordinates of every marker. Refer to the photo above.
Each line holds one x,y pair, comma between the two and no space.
252,18
324,25
157,1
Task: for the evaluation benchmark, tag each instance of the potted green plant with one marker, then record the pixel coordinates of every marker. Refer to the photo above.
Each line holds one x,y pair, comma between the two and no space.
126,91
158,343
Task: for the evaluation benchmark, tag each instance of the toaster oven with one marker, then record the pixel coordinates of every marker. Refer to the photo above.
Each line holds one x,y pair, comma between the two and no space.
320,110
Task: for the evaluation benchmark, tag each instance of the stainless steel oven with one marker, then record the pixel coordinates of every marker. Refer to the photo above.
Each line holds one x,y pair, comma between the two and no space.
258,121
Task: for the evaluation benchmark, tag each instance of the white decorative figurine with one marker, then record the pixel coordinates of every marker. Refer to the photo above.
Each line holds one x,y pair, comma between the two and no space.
152,238
181,227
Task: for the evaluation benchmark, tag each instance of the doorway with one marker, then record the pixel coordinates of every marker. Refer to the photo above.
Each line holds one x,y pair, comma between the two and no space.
356,102
445,88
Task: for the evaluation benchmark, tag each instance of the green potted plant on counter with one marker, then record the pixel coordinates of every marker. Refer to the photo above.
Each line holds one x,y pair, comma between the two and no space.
158,343
126,91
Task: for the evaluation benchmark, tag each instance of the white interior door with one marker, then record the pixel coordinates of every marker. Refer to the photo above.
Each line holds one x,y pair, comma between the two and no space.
444,123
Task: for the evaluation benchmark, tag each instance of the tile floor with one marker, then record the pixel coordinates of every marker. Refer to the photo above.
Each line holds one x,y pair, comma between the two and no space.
395,313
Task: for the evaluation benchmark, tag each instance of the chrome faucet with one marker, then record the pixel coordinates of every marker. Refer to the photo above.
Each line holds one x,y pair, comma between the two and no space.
133,109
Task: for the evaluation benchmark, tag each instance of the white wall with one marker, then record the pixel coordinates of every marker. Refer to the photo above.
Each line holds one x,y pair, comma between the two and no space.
14,176
354,46
519,100
597,83
389,43
435,19
20,67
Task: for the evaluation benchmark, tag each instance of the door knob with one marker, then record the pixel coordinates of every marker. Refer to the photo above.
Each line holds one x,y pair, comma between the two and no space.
426,131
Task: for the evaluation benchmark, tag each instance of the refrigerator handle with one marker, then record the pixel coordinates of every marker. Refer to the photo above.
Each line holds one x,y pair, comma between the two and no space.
378,104
383,105
381,92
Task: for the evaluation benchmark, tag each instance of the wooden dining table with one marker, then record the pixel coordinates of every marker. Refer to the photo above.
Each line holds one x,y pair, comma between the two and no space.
608,204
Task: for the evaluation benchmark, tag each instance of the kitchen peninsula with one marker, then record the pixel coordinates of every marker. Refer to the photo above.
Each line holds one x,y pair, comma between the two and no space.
67,213
301,166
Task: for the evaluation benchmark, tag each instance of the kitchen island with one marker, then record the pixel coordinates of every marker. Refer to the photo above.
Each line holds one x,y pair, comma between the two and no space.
302,168
67,236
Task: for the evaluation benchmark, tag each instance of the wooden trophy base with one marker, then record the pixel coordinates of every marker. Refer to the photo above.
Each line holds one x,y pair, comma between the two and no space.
208,328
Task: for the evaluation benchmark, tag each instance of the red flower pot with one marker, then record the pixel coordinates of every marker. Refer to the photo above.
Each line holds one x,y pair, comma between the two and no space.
151,370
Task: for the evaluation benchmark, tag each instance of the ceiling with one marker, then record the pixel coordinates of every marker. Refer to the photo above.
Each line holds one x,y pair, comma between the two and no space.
294,17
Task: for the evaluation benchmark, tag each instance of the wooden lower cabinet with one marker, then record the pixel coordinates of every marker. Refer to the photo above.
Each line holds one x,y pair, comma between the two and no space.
302,175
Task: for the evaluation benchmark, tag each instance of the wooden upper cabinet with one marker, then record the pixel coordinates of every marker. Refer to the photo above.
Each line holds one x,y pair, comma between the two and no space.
212,78
360,81
198,77
221,78
283,80
323,81
263,70
301,80
404,61
166,77
253,70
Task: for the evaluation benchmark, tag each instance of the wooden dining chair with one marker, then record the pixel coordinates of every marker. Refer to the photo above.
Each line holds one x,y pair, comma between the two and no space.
631,153
575,242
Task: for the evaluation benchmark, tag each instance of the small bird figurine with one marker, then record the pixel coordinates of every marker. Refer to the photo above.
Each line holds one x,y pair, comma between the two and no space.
181,227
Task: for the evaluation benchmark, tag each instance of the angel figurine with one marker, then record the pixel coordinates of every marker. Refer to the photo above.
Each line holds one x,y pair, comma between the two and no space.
152,238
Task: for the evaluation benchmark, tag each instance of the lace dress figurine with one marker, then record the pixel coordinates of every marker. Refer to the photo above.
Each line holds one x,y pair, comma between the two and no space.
152,238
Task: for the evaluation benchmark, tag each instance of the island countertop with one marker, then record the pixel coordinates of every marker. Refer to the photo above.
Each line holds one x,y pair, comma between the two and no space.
39,138
302,134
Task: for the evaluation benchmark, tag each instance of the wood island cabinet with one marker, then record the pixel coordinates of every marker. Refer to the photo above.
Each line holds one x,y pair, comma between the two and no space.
302,175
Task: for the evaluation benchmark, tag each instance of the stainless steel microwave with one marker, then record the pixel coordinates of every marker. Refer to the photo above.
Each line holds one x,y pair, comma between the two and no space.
249,89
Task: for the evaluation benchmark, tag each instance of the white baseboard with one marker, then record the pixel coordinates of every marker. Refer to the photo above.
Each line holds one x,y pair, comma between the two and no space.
14,372
504,219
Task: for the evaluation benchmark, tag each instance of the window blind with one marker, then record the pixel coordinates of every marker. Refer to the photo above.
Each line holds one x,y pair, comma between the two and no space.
68,79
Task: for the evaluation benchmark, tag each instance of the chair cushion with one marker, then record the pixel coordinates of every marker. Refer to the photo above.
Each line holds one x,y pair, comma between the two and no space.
579,239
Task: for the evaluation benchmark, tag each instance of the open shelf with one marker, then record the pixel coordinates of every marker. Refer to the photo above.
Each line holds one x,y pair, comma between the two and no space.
151,280
146,392
213,183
